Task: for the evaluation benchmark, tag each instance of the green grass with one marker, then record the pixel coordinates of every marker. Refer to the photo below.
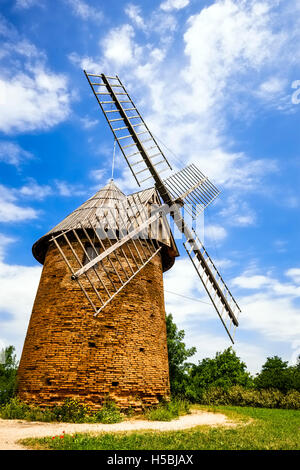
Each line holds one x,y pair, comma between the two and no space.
256,429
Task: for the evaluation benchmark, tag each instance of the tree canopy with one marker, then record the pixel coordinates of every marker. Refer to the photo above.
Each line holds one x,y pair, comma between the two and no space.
8,373
276,373
178,354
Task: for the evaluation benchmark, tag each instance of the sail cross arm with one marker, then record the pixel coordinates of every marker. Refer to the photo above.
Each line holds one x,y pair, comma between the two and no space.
162,210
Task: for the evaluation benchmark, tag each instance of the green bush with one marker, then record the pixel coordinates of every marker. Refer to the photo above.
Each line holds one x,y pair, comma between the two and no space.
240,396
223,371
166,411
109,413
14,409
291,400
71,411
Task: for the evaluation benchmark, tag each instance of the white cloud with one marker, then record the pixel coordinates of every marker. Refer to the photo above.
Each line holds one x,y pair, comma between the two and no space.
274,320
294,274
18,288
269,311
4,241
98,174
13,154
12,212
215,232
24,4
169,5
33,190
273,85
85,11
229,47
31,96
237,212
36,101
66,189
85,63
251,282
134,13
88,123
119,46
17,282
227,40
271,308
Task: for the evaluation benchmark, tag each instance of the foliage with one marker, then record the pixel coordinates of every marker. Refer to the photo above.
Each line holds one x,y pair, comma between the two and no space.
224,379
71,411
223,371
8,374
177,355
275,373
168,410
256,429
109,413
240,396
16,409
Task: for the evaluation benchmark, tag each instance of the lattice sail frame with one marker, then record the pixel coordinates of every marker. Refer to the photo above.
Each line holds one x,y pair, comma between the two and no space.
104,257
205,272
187,185
127,125
190,186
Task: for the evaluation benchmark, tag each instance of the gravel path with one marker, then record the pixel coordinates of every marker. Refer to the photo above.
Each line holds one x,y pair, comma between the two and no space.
13,430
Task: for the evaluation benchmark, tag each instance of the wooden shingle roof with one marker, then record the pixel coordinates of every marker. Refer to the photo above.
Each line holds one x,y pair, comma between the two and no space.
97,210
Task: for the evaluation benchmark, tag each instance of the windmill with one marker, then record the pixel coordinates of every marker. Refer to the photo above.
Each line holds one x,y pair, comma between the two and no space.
187,187
104,262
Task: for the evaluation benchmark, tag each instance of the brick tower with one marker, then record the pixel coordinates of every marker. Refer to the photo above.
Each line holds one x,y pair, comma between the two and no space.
122,353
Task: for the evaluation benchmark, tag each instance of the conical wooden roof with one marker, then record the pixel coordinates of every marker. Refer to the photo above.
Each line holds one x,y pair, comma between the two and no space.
98,205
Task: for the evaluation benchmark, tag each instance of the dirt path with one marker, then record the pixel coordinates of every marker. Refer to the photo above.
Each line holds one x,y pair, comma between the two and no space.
13,430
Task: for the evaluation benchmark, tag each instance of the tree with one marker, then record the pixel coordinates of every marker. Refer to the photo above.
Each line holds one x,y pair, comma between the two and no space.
224,370
178,355
8,374
275,373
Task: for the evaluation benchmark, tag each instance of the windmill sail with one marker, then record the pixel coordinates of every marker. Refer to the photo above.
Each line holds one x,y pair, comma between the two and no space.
107,260
193,188
188,185
129,129
221,297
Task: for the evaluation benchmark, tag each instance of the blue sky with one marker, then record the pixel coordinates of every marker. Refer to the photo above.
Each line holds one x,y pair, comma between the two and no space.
218,82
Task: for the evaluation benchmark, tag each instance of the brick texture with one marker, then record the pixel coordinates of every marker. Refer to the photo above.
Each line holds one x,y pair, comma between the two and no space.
121,354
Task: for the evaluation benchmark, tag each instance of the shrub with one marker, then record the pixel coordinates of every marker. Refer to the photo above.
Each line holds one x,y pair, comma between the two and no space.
109,413
239,396
224,371
14,409
71,411
166,411
291,400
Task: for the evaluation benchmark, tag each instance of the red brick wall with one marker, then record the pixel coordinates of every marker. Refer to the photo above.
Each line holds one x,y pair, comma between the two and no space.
69,353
